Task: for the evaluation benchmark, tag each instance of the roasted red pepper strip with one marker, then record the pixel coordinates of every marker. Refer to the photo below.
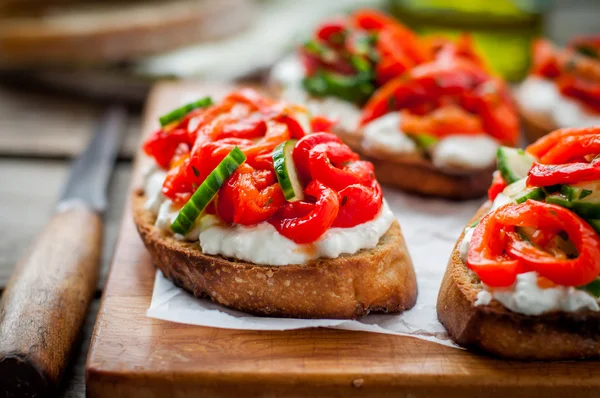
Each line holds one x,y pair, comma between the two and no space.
310,226
544,175
302,149
549,141
337,166
572,147
161,145
356,196
497,253
322,124
486,254
248,128
332,32
498,185
545,62
249,196
570,272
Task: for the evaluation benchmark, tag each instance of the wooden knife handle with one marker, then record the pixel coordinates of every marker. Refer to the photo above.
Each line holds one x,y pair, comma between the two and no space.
45,302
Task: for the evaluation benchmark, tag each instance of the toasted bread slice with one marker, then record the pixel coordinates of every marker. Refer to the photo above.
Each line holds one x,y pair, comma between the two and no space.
497,330
377,280
536,125
415,174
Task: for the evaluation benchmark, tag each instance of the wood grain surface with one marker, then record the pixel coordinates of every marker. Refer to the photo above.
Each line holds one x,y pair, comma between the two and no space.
45,302
132,354
102,32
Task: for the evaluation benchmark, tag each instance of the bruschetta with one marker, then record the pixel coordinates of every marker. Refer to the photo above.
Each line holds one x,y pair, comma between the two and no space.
250,206
425,112
563,88
522,281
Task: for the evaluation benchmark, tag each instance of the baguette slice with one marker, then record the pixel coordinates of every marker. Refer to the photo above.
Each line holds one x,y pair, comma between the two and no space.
535,125
497,330
377,280
415,174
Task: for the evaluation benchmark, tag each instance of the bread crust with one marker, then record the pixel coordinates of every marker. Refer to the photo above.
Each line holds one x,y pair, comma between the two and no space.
377,280
497,330
536,125
415,174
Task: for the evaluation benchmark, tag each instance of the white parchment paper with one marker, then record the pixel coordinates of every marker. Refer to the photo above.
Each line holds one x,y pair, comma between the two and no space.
430,227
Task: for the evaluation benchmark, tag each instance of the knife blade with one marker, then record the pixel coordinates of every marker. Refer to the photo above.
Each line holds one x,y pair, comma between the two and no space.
45,301
90,173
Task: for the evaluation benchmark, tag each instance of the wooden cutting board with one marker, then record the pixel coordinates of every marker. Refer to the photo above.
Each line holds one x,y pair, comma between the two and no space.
132,355
94,31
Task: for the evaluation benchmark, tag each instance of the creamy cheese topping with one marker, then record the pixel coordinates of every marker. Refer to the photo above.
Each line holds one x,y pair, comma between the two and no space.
384,135
541,96
525,296
465,152
261,243
153,182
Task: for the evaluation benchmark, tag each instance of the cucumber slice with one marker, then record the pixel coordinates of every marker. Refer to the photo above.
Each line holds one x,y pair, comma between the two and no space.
513,163
586,191
588,209
519,192
594,223
593,288
283,162
424,141
532,193
179,113
206,191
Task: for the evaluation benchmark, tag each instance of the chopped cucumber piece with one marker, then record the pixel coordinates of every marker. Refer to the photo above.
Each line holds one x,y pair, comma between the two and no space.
304,119
588,191
513,163
206,191
592,288
179,113
532,193
519,192
283,162
356,89
588,209
423,140
594,223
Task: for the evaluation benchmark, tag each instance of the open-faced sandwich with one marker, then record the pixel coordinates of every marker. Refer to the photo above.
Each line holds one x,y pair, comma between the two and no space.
522,281
425,111
247,205
563,88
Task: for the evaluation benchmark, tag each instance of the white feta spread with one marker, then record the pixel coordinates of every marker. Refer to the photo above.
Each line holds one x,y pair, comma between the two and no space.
541,97
453,152
262,244
465,152
153,182
525,296
384,135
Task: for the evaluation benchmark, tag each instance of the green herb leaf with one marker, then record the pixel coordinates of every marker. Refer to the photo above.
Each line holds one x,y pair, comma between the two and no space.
268,202
344,200
584,193
196,171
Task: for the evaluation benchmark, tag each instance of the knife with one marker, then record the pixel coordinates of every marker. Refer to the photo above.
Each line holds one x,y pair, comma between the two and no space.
46,299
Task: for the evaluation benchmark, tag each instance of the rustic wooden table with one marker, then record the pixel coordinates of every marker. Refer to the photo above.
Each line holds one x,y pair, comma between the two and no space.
39,133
